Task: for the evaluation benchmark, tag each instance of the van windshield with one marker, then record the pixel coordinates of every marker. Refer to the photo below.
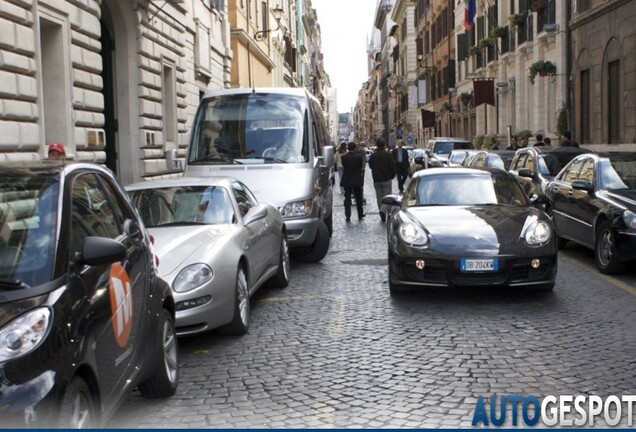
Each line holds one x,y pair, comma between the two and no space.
445,147
250,128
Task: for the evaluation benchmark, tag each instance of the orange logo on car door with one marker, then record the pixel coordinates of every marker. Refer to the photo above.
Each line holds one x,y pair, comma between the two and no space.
120,303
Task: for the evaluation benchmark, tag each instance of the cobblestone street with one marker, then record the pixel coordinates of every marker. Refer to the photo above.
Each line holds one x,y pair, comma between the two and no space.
334,349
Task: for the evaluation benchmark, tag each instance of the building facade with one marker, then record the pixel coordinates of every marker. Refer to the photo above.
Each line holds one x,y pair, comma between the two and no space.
117,82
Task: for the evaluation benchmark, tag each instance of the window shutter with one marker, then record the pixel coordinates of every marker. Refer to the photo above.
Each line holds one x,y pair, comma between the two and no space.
614,102
585,106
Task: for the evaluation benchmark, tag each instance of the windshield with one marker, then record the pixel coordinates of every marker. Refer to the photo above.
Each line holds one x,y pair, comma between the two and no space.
184,205
28,223
445,147
618,173
250,128
467,189
501,161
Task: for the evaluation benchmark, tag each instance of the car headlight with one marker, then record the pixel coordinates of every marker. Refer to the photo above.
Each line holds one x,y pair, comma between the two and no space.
24,334
191,277
630,218
412,234
297,208
538,232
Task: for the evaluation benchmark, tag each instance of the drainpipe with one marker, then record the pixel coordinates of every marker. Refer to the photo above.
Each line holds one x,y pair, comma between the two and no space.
299,41
569,105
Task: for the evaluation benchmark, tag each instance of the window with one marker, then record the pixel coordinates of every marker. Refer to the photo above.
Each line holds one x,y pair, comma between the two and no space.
572,172
264,16
169,104
587,170
244,198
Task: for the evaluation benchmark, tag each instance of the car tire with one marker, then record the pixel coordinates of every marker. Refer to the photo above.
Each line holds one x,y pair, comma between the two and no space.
318,248
77,410
394,288
165,380
281,279
240,323
605,253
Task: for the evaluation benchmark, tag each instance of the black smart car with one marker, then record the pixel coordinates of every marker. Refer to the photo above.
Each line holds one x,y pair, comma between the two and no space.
84,318
593,203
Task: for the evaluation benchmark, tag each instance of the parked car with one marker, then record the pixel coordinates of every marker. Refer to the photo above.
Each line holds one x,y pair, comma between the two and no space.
593,203
438,150
468,227
492,159
216,245
84,318
535,167
459,158
416,160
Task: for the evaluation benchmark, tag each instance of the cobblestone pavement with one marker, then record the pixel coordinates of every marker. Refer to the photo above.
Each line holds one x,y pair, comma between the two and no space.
334,349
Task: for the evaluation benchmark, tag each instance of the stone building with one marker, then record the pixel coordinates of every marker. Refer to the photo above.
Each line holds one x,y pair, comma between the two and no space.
118,82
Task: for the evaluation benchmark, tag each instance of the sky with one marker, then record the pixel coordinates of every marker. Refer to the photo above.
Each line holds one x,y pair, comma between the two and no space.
345,26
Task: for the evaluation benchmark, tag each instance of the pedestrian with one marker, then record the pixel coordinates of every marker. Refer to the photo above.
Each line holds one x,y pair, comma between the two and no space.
513,143
539,141
56,151
566,140
401,157
352,180
547,141
342,149
524,142
363,153
383,170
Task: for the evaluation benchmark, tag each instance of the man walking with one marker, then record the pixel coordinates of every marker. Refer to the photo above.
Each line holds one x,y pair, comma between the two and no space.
401,157
382,167
352,180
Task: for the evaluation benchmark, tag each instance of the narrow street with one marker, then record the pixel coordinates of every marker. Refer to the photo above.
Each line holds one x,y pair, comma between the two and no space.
334,349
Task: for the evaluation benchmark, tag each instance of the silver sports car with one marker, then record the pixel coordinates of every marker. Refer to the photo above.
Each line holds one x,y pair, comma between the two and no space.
216,245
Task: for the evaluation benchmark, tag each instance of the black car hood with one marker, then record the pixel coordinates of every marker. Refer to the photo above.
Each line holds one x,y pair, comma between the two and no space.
477,230
626,197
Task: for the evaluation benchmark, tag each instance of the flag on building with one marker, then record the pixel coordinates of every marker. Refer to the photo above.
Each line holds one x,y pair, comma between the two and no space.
469,14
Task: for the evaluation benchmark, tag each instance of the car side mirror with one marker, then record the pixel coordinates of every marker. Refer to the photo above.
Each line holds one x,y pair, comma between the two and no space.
418,160
538,200
327,157
392,200
525,172
255,213
583,185
100,251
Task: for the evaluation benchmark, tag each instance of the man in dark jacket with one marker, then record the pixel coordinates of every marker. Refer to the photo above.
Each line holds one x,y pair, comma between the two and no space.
383,170
352,180
566,140
401,157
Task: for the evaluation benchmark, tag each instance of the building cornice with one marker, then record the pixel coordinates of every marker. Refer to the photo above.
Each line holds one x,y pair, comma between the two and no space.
591,15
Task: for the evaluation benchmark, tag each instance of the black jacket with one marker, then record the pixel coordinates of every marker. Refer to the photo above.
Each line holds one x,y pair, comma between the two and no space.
382,166
352,166
405,158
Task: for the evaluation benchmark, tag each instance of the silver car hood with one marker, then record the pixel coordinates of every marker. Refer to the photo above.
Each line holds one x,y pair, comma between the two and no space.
275,184
174,245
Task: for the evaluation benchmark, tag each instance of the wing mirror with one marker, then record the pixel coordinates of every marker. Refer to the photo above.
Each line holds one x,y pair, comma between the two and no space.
583,185
392,200
100,250
525,172
255,213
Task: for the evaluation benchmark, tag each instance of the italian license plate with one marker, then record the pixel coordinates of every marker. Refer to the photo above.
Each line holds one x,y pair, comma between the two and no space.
479,265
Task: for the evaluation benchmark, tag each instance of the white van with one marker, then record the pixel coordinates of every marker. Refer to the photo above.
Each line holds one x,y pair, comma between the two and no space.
439,149
275,140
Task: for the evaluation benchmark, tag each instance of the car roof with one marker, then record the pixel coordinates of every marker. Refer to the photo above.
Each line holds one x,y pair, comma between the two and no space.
292,91
182,181
50,167
618,155
459,170
449,139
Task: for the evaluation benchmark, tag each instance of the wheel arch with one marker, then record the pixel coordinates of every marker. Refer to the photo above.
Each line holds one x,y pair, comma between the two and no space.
88,375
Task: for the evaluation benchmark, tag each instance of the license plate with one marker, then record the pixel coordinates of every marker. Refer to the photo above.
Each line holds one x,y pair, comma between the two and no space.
479,265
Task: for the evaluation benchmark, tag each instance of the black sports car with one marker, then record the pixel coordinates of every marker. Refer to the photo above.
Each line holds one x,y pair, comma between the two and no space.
593,202
466,227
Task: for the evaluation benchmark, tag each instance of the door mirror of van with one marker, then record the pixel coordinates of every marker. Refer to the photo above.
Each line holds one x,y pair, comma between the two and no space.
327,159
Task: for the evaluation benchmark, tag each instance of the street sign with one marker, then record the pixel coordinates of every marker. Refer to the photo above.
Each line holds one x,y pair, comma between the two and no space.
410,139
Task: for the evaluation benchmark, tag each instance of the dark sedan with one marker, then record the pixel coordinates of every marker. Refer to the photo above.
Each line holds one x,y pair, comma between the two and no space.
84,318
535,167
593,203
467,227
492,159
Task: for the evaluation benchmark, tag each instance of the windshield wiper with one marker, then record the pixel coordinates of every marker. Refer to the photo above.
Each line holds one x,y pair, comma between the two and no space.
265,158
13,284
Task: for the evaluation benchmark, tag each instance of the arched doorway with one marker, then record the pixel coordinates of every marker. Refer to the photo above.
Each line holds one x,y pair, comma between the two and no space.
110,117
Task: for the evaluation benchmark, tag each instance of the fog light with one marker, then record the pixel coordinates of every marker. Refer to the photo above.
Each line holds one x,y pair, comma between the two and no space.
189,304
420,264
536,263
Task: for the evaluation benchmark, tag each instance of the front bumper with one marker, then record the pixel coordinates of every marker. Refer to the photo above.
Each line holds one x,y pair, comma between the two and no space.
444,271
301,232
626,244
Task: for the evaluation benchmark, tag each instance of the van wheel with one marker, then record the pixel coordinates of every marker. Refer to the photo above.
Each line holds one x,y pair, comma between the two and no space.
77,410
165,380
319,247
329,223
